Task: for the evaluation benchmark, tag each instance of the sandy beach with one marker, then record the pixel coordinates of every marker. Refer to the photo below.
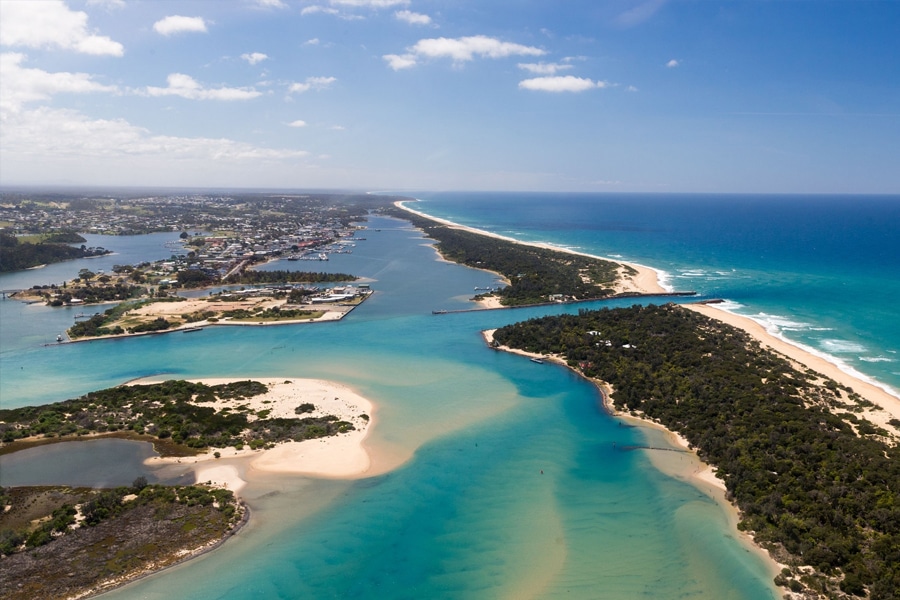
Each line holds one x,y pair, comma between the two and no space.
338,456
646,281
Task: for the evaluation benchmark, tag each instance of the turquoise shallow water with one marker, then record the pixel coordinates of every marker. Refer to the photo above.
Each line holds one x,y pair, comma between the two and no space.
470,515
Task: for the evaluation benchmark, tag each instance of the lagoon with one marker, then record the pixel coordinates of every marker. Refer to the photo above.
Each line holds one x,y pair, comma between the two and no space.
467,512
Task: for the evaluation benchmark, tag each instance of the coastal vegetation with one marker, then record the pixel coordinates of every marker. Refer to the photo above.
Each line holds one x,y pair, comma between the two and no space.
62,542
816,483
535,275
187,417
16,254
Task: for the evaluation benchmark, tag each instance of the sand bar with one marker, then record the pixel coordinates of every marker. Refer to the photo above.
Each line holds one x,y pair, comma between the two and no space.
646,281
887,404
338,456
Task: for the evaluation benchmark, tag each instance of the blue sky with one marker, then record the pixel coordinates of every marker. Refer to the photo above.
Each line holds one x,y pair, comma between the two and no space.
565,95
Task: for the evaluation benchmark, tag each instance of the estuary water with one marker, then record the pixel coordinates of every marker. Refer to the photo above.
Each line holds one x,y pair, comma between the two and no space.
514,482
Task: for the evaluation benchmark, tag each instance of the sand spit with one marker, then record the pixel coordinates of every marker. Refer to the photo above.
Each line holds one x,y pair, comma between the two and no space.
338,456
645,281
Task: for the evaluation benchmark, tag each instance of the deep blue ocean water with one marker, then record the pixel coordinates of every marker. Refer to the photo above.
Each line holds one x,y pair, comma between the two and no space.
517,484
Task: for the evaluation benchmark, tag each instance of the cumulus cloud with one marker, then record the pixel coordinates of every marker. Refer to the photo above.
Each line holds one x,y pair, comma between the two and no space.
567,83
271,4
315,8
672,63
254,57
50,24
412,18
543,68
297,123
311,83
22,85
400,61
186,86
459,50
174,24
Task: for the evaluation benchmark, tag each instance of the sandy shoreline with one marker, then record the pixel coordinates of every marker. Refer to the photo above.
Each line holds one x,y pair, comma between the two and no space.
338,456
646,281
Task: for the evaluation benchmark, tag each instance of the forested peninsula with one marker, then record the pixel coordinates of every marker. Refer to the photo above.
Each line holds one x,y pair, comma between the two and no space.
816,484
16,254
535,275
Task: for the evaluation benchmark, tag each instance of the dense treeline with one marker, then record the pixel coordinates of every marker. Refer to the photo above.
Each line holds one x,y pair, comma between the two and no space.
534,274
252,277
64,237
172,410
810,476
16,255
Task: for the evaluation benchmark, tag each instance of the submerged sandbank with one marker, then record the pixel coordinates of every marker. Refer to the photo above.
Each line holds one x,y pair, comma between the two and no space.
684,464
644,281
338,456
887,405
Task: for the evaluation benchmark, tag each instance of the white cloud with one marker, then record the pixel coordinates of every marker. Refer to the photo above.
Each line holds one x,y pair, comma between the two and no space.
22,85
51,24
178,24
672,63
543,68
271,4
412,18
311,42
467,48
631,88
186,86
566,83
297,123
460,50
311,83
400,61
254,57
315,8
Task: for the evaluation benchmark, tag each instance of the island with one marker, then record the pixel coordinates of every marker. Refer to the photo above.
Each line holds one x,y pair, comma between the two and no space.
18,253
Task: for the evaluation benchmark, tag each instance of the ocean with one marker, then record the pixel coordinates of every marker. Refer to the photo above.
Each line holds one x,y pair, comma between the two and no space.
516,484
